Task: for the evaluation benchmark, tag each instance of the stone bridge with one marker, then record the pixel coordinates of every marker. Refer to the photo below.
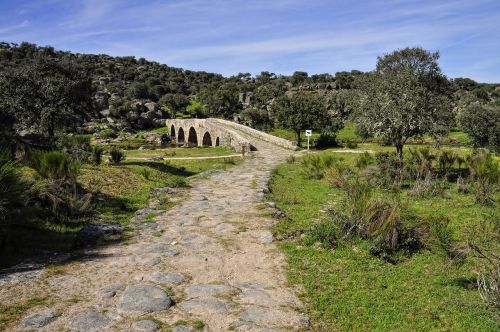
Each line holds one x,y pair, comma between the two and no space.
217,132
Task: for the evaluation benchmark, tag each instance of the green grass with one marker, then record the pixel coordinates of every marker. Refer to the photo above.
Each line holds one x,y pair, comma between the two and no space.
14,312
349,289
180,152
124,189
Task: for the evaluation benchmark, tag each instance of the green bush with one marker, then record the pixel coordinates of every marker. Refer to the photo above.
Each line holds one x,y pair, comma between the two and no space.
364,160
484,176
12,188
390,169
315,165
326,140
57,165
97,155
78,146
351,145
116,155
108,133
327,233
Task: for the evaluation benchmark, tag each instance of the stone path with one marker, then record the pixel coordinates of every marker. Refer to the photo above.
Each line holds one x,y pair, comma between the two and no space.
210,258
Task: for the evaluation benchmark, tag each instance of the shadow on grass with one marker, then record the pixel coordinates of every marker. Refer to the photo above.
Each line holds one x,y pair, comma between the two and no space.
160,166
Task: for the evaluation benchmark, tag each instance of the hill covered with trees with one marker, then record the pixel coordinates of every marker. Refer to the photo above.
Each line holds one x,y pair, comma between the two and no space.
45,91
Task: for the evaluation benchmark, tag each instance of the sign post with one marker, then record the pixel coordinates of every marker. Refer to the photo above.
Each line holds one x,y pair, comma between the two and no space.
308,134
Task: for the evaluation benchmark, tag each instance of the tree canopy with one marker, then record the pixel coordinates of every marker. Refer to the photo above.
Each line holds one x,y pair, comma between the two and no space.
406,96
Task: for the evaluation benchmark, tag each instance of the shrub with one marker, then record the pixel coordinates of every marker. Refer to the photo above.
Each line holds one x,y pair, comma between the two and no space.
97,155
107,133
446,160
78,146
337,174
326,232
12,187
390,169
315,165
326,140
364,160
484,175
145,172
57,166
418,163
427,187
351,145
116,155
350,214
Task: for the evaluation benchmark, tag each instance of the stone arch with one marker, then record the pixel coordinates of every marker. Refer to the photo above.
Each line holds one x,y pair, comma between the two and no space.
180,136
207,139
217,141
192,137
172,132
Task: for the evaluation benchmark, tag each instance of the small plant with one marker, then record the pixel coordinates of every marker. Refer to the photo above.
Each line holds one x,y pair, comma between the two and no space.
364,160
446,160
351,144
107,134
57,165
427,187
78,146
291,160
12,188
326,140
484,176
315,165
116,155
145,172
327,233
390,169
97,155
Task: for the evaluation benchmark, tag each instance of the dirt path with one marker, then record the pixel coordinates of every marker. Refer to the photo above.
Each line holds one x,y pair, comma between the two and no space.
212,254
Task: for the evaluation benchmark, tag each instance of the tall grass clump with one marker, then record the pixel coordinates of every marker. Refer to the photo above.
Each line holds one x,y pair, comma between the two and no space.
12,188
78,146
97,155
315,165
57,165
116,155
484,176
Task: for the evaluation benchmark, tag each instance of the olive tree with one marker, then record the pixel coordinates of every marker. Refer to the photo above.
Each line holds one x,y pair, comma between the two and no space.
304,111
482,125
405,96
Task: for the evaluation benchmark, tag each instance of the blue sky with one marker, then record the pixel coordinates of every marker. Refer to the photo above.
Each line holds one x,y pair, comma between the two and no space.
282,36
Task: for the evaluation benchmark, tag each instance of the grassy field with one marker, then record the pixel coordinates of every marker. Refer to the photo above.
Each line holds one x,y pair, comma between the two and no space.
121,190
348,134
180,152
348,289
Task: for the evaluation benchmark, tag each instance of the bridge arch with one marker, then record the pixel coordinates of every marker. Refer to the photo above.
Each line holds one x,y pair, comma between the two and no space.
192,137
180,136
172,133
207,139
217,141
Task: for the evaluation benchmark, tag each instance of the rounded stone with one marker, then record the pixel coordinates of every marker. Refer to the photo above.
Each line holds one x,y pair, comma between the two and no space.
167,278
38,319
89,321
144,299
183,328
204,306
145,325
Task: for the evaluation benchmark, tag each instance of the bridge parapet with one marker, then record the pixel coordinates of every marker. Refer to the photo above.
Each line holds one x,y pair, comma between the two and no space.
218,132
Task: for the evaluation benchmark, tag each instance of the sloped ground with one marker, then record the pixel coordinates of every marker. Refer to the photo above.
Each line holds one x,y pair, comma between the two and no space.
210,259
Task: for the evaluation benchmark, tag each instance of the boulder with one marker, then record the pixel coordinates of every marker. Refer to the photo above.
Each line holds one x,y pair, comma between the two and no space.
145,325
151,106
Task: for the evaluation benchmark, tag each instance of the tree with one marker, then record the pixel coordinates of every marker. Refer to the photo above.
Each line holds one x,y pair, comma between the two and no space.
303,111
406,96
482,125
45,94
